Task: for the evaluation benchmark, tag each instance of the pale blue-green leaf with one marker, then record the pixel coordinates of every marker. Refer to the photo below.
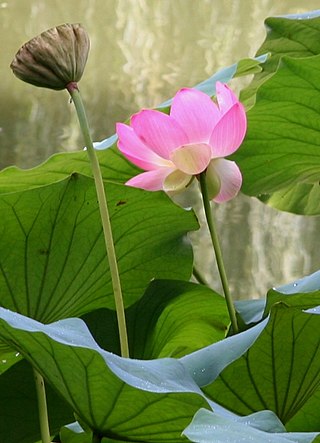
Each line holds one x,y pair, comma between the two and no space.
263,427
73,433
172,319
303,293
74,332
315,310
106,143
309,283
243,67
279,372
114,396
304,15
251,311
206,364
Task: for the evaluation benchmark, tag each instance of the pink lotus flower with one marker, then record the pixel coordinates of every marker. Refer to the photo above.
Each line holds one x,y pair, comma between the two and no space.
194,138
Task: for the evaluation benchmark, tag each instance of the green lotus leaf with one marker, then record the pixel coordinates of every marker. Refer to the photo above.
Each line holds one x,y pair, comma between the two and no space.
52,255
279,372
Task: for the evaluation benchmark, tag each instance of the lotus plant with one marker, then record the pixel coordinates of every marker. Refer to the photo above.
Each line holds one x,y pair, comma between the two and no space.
194,138
191,141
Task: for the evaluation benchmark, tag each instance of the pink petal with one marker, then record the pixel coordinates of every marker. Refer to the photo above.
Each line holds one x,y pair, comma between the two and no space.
150,180
196,113
225,97
192,159
229,132
230,178
137,152
158,131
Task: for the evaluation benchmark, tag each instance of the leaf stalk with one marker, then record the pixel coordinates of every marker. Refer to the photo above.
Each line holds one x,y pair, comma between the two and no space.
105,218
42,407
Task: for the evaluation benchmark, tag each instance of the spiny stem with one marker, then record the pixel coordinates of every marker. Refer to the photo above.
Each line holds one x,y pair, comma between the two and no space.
105,218
42,407
217,250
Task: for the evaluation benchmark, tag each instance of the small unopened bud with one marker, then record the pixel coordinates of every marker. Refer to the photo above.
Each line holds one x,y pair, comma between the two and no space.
54,58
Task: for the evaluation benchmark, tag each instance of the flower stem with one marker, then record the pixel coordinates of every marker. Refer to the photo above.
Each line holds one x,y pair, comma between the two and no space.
105,218
217,250
42,407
